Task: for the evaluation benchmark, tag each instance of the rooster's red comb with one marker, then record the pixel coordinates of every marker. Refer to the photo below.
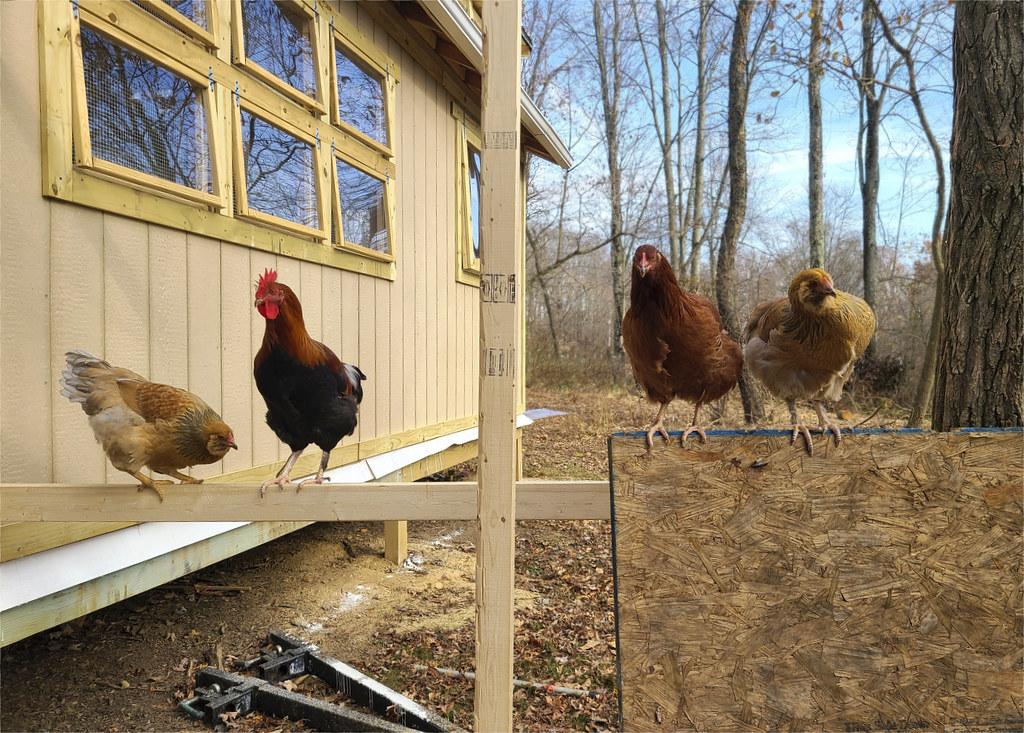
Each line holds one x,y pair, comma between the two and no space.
268,276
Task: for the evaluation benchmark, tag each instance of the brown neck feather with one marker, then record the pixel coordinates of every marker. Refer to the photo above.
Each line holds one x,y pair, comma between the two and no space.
288,331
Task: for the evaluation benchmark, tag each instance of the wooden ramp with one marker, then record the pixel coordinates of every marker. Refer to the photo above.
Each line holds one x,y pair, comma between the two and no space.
877,585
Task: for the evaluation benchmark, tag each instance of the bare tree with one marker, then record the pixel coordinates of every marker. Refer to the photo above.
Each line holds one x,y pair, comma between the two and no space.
697,181
815,195
607,40
981,348
725,286
926,379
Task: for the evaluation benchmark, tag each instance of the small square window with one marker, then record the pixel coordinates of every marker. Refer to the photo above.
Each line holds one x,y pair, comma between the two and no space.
280,176
196,12
143,116
360,96
363,206
278,36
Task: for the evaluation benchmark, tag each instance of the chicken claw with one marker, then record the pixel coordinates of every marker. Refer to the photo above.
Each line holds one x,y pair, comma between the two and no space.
826,426
147,483
694,429
799,429
655,429
278,481
318,479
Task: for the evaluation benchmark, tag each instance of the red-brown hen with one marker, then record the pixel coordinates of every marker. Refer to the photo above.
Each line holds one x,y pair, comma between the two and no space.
675,342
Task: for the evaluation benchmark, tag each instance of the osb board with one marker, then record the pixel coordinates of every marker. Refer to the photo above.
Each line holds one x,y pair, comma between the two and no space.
874,586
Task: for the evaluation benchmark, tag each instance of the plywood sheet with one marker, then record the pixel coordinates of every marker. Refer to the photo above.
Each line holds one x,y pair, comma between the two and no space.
874,586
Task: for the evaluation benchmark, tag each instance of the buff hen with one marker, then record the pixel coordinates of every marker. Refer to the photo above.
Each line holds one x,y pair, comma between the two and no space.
675,342
805,345
141,423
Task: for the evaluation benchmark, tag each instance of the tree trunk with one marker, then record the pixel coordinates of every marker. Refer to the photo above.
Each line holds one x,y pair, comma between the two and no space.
981,344
872,118
698,147
725,288
611,84
815,196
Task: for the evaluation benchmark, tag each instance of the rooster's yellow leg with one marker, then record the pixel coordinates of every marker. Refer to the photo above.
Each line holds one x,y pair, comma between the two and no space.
282,476
694,427
184,478
799,428
825,425
319,478
145,482
657,427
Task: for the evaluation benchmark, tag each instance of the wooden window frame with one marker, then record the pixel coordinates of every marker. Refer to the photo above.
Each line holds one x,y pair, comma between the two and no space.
80,128
362,51
467,269
239,56
241,181
130,193
389,210
208,37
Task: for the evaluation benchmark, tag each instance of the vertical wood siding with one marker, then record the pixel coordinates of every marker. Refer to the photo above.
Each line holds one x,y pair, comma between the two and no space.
178,307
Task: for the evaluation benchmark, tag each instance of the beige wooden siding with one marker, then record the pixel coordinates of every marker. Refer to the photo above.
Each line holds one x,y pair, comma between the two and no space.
178,307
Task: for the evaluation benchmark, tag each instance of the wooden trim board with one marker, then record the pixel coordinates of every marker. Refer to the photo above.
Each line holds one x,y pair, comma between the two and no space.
241,502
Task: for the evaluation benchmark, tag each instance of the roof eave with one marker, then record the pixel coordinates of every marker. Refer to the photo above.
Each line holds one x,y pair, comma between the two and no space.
455,23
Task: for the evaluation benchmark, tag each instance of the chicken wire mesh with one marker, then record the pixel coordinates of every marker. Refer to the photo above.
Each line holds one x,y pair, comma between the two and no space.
280,178
360,97
143,116
197,11
362,208
278,37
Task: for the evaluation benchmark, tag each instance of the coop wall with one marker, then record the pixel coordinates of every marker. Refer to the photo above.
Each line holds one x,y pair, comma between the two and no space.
178,307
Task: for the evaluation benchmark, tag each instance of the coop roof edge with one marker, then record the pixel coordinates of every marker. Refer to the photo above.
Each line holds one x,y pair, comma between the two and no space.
453,20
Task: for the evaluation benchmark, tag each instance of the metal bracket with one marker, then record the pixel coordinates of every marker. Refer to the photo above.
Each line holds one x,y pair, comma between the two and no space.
237,97
209,76
316,136
74,8
316,11
211,702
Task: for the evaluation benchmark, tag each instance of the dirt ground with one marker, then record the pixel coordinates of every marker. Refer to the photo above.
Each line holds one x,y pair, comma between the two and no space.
124,668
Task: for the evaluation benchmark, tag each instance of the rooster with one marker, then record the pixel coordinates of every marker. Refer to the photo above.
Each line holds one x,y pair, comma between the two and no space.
311,395
804,346
675,342
142,423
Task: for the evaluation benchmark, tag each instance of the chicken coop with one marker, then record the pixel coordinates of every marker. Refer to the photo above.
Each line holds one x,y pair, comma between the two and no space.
158,157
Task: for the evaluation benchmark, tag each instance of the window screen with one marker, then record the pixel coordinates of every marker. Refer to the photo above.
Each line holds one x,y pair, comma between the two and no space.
473,171
195,10
280,178
363,214
278,37
143,116
360,97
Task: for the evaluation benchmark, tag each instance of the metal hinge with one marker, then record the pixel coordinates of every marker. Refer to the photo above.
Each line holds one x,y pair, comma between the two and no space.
209,76
237,96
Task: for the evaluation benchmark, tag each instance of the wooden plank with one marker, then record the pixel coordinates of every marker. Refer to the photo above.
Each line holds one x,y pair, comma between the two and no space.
204,328
19,539
76,321
500,342
768,590
236,502
168,315
396,541
350,335
236,355
375,393
26,389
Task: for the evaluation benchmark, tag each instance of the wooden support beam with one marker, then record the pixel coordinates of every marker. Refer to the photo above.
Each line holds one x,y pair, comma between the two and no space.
501,284
535,500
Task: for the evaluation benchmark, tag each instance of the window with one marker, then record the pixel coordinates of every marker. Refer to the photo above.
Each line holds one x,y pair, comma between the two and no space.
362,208
143,119
279,174
278,43
467,198
195,18
263,141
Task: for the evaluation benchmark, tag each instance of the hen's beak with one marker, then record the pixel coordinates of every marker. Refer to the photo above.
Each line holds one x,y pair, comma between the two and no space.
259,302
643,266
232,444
829,290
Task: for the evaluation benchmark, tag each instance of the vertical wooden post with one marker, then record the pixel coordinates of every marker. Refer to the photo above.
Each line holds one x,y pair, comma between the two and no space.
500,349
396,541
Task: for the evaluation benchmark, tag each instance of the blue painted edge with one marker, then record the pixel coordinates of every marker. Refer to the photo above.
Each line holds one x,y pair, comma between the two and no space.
846,431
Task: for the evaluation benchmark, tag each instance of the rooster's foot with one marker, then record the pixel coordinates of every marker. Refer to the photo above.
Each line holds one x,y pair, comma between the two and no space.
278,481
799,429
830,427
694,429
655,429
318,479
148,483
